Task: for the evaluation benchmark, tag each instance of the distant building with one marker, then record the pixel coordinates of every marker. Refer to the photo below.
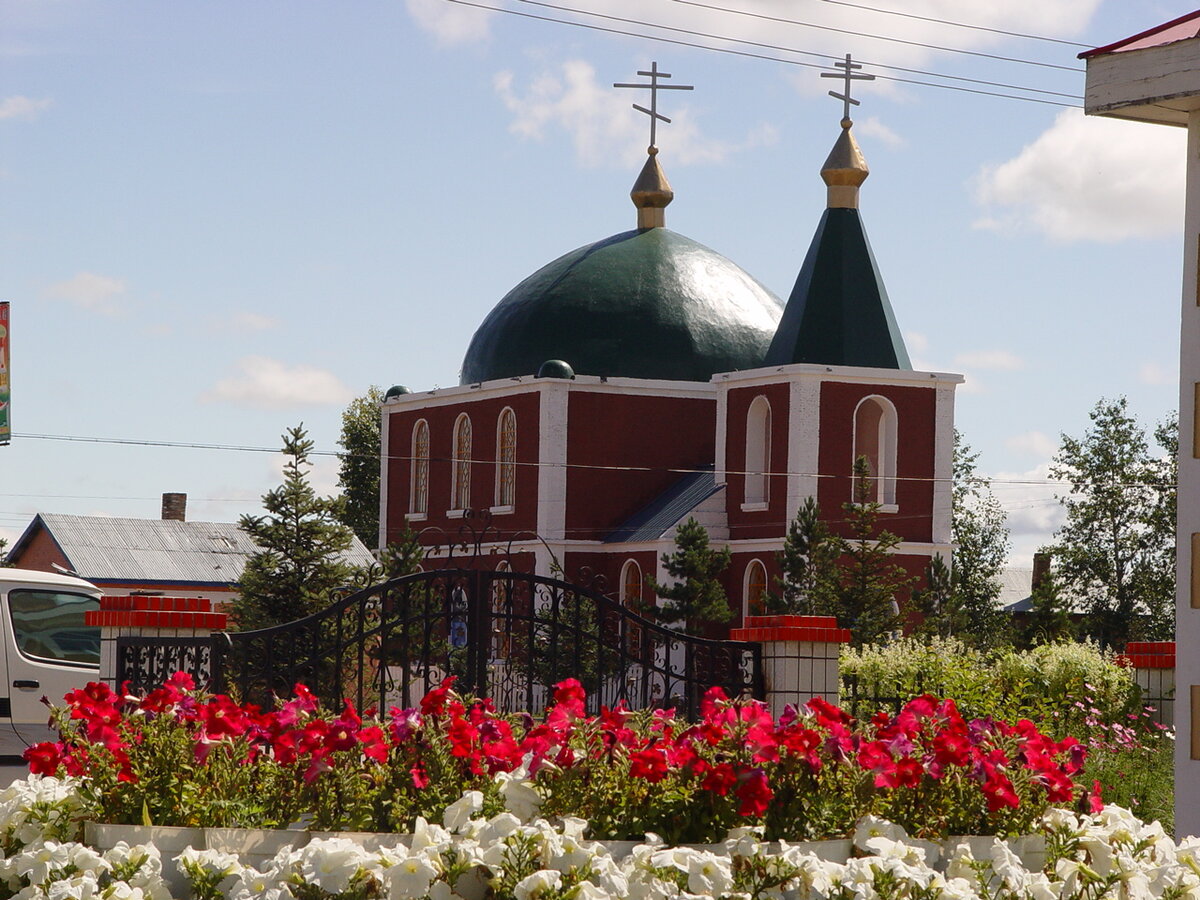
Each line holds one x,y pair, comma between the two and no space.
169,556
645,378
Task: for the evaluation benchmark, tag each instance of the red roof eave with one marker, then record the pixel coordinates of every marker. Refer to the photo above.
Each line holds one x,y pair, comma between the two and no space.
1165,30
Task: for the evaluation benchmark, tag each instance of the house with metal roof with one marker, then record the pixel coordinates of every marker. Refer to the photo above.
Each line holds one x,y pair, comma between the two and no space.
168,556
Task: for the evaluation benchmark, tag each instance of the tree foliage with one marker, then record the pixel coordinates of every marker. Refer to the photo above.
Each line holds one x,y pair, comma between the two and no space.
1115,552
981,544
807,562
697,597
358,476
870,581
302,541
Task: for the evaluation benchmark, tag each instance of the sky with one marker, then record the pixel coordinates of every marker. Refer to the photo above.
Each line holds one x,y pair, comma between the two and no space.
221,220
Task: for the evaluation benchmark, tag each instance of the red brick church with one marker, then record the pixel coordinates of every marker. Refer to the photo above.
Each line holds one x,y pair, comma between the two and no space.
645,378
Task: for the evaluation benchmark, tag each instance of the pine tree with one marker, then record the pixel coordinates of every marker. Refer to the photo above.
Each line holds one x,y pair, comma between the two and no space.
1049,615
302,540
940,605
871,581
808,562
697,597
358,476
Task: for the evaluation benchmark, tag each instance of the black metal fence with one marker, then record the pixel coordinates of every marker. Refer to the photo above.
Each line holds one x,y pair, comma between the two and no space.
505,635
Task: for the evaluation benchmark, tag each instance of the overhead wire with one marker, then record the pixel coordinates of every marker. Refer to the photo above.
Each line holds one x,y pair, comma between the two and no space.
785,49
747,54
878,37
950,22
674,470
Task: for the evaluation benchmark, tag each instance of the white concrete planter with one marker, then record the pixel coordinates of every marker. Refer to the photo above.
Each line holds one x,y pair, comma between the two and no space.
169,840
253,846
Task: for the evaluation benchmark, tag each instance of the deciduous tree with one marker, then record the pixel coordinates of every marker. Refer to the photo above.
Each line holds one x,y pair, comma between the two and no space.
1115,552
359,473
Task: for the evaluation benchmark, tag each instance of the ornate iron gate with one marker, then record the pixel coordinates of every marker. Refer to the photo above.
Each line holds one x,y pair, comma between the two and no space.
505,635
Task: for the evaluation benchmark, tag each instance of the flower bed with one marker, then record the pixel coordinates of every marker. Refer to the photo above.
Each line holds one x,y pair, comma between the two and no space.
500,857
182,757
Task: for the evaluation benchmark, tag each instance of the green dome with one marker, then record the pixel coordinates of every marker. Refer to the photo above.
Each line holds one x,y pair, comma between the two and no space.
641,304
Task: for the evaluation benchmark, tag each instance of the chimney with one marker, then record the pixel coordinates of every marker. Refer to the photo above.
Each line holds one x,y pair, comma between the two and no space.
1041,568
174,507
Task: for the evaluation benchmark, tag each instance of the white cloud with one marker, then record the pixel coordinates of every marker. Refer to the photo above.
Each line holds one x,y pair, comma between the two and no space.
18,107
990,359
87,290
916,341
450,23
600,123
1088,178
1032,442
871,127
263,383
1029,502
1158,375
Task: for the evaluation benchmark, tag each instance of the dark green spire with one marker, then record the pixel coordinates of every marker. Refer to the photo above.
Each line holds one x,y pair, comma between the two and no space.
838,313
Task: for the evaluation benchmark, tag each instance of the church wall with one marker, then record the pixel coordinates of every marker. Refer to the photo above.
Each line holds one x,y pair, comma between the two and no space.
484,414
915,458
746,522
655,433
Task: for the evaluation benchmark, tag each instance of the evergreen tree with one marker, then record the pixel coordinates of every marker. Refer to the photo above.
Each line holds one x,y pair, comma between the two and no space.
359,473
302,540
981,546
871,581
1115,552
697,598
1049,616
808,562
402,557
940,605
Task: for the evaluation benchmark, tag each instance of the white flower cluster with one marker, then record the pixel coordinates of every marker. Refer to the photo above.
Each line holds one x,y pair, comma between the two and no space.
50,870
1109,856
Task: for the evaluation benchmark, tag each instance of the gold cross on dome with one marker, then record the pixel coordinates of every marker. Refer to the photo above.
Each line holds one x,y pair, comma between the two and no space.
655,87
846,75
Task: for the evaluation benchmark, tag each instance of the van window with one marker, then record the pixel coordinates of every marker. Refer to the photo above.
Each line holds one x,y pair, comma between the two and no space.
48,625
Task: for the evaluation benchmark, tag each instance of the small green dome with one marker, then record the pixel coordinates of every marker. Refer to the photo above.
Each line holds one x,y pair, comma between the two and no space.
641,304
396,390
556,368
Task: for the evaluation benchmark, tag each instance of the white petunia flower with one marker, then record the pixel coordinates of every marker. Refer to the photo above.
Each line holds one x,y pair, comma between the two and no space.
520,796
537,885
709,874
331,864
410,878
462,810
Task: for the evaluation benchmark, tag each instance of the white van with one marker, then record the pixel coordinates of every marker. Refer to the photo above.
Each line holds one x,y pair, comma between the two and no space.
47,651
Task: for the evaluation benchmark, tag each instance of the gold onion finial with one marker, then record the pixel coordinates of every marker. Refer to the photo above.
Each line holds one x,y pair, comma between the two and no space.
652,192
845,169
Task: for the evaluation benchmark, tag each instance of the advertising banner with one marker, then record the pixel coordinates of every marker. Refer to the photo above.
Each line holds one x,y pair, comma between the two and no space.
5,390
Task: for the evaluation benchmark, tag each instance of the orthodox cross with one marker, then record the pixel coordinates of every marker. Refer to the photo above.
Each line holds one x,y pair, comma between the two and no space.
655,87
847,76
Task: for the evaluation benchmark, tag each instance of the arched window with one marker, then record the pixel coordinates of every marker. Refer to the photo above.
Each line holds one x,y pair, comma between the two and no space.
631,585
758,451
502,623
631,597
461,488
875,439
506,458
756,588
418,504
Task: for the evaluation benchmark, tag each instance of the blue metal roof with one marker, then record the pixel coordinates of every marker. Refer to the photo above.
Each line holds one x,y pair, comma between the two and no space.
656,518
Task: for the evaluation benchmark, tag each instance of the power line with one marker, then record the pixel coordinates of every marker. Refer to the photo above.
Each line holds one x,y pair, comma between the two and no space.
880,37
675,470
747,54
785,49
1016,34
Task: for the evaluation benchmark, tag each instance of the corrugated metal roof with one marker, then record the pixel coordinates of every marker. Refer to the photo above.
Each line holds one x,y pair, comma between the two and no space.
112,549
656,518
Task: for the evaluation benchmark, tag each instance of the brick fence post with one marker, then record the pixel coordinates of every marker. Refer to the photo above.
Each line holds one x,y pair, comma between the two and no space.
165,617
799,654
